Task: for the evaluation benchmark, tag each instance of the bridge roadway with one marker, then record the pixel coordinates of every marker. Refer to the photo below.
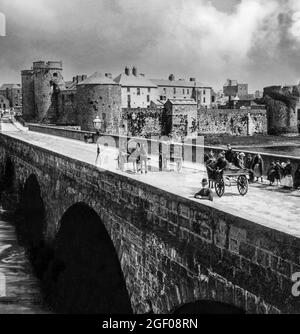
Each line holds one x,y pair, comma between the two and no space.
270,206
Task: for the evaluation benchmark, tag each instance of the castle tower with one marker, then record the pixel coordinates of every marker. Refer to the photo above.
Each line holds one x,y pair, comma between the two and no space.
99,96
47,81
28,95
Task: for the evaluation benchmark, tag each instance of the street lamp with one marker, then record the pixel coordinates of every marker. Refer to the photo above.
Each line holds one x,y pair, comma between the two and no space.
97,123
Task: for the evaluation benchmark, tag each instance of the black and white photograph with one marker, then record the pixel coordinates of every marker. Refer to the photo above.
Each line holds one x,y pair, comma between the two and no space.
149,160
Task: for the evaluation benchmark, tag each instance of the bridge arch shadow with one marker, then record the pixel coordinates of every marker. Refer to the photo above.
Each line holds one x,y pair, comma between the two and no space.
84,275
31,222
7,175
208,307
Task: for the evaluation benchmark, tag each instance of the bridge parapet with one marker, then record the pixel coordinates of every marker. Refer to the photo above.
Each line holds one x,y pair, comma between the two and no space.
172,250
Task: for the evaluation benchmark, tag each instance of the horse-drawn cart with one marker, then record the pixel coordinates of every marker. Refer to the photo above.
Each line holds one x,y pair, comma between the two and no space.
227,178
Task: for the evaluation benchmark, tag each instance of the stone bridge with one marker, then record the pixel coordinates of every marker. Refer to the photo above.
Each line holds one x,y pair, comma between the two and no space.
104,242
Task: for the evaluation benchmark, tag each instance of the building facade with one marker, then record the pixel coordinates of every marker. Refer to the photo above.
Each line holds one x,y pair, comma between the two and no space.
136,90
182,89
13,93
4,103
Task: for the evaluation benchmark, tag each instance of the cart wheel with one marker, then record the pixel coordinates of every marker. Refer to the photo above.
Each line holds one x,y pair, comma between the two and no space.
220,188
242,185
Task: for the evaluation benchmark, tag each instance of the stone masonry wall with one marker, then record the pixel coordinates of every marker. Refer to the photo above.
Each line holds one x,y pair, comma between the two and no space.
172,250
232,122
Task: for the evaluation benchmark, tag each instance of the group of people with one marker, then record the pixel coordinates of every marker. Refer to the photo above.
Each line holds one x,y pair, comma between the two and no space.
137,155
282,174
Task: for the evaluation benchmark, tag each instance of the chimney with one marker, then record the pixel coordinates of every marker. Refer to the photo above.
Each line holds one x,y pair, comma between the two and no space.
84,77
127,70
74,79
192,79
134,71
108,75
171,77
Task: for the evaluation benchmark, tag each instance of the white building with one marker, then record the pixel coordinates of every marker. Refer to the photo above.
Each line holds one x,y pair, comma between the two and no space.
182,89
137,90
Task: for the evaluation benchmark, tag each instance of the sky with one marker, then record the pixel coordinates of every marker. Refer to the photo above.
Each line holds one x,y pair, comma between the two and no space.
253,41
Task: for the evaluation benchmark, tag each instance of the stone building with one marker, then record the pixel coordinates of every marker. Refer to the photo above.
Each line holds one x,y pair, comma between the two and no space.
137,90
180,118
12,92
4,103
182,89
99,96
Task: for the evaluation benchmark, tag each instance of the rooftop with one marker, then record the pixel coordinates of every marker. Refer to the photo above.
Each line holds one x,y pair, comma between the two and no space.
178,83
131,80
10,86
182,101
97,79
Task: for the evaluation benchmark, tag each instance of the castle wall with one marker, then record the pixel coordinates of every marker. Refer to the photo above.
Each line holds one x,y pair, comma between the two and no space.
67,109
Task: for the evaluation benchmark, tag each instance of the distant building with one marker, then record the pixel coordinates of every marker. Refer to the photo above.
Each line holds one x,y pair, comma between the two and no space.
137,90
182,89
13,93
232,89
4,103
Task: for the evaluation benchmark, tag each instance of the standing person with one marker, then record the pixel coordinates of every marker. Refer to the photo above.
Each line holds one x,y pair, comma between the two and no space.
229,155
144,158
248,165
272,173
205,193
287,181
297,178
135,157
258,167
278,174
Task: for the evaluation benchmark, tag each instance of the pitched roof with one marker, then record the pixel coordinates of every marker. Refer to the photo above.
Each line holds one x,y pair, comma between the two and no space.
183,101
178,83
10,86
97,79
134,81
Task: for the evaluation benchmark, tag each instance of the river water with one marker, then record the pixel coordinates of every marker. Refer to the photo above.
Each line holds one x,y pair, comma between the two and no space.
288,150
20,294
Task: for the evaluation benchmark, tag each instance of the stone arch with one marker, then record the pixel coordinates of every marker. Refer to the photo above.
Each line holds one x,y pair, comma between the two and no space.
84,275
208,307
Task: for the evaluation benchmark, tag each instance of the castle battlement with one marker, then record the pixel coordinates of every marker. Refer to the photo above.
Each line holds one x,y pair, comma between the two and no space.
50,65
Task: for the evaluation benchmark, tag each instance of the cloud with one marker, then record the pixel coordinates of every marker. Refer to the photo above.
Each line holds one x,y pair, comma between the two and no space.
251,40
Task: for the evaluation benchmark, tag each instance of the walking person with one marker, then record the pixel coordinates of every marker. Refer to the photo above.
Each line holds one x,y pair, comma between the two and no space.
248,165
272,173
278,174
287,181
258,167
143,158
297,178
135,158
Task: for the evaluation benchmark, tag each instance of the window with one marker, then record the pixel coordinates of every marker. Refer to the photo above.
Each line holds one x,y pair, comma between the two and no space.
165,90
148,98
183,91
161,98
55,75
204,100
174,90
128,101
149,90
204,92
138,91
104,116
188,92
128,89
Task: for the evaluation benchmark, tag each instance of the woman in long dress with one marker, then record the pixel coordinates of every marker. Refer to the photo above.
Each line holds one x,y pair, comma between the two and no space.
272,173
258,167
287,181
297,178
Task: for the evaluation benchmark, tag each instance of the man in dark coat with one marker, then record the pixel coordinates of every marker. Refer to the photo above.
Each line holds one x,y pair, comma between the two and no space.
229,155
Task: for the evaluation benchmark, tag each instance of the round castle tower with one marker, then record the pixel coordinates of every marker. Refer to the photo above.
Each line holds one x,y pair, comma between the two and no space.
47,80
99,96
